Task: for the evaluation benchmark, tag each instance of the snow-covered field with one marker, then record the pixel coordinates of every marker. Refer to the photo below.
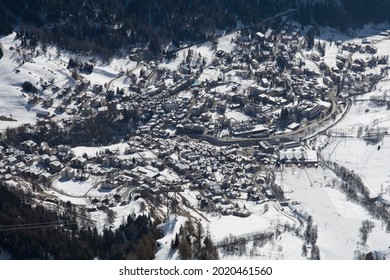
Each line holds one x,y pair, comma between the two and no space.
347,147
91,151
265,217
371,164
74,188
236,115
338,219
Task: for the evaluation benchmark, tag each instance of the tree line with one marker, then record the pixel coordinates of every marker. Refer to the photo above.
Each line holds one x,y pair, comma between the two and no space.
108,27
356,191
135,239
193,243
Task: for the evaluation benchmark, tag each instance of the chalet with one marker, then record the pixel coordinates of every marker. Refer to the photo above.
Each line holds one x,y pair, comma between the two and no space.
29,146
55,166
19,166
44,177
243,213
109,184
180,85
313,113
11,160
28,161
181,168
68,173
35,173
291,144
78,162
48,102
293,126
198,108
44,159
260,36
215,189
63,150
61,108
371,49
156,89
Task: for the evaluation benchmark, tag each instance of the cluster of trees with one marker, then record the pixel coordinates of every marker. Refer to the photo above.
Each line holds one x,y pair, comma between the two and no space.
310,235
28,87
277,191
192,243
102,129
365,229
233,245
105,27
353,185
83,67
51,133
362,12
135,239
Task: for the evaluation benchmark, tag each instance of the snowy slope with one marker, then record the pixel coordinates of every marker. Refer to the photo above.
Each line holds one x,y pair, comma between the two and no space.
338,219
43,68
13,102
348,147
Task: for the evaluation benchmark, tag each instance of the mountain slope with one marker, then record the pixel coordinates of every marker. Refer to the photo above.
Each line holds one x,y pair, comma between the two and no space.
106,27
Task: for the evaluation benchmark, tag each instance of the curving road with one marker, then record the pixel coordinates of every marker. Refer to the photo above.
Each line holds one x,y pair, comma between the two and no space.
297,134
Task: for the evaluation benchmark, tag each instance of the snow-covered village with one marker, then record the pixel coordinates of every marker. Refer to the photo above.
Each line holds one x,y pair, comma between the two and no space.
260,143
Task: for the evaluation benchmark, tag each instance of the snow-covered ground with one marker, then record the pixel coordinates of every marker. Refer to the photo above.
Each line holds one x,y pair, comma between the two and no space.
225,42
200,50
371,164
338,219
45,68
169,229
121,213
236,115
265,217
103,73
91,151
330,36
74,188
205,51
348,147
14,71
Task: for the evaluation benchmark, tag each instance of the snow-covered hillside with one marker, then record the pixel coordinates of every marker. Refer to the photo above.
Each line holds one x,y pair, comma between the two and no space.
338,219
47,71
39,70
